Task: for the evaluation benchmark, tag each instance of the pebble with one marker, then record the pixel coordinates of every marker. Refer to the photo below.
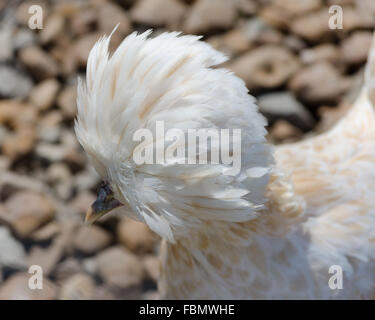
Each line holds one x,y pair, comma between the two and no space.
319,83
355,48
24,219
324,52
49,257
136,236
152,266
43,95
158,12
12,253
39,62
78,287
19,143
207,16
66,101
66,269
51,152
16,288
83,46
91,239
284,105
231,43
120,268
14,83
111,14
267,66
23,38
283,131
6,44
53,28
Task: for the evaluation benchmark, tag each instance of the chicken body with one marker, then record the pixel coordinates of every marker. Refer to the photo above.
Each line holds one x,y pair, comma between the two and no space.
276,230
318,225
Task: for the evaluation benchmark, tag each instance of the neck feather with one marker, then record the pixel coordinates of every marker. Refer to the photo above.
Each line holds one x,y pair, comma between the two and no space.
228,259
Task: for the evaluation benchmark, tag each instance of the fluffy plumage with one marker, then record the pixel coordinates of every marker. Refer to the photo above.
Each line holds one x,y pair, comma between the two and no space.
271,231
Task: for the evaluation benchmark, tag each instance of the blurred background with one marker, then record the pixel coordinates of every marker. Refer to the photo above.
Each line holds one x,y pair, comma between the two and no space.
303,74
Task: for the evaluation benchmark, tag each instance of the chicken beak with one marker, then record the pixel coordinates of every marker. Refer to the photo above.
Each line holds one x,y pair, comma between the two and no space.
102,205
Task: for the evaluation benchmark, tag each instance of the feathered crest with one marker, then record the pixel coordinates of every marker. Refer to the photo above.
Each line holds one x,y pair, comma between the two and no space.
169,78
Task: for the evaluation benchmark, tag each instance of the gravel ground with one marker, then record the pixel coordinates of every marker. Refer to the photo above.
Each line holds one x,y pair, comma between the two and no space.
303,74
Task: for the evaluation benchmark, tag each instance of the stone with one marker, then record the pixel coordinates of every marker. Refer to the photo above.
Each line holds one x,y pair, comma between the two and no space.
297,7
83,21
26,211
66,101
83,46
51,152
19,143
66,269
283,131
48,133
59,176
43,95
12,253
158,12
257,31
330,116
91,239
6,44
24,38
20,139
46,232
49,257
311,27
18,182
90,265
267,66
13,83
151,295
355,48
151,264
247,7
78,287
319,83
111,14
273,16
231,43
120,268
86,180
294,43
53,28
39,62
207,15
358,17
103,293
17,114
83,201
324,52
280,12
284,105
16,288
4,161
57,172
136,236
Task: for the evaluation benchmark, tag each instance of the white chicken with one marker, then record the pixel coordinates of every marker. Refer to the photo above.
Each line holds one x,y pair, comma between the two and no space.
271,231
